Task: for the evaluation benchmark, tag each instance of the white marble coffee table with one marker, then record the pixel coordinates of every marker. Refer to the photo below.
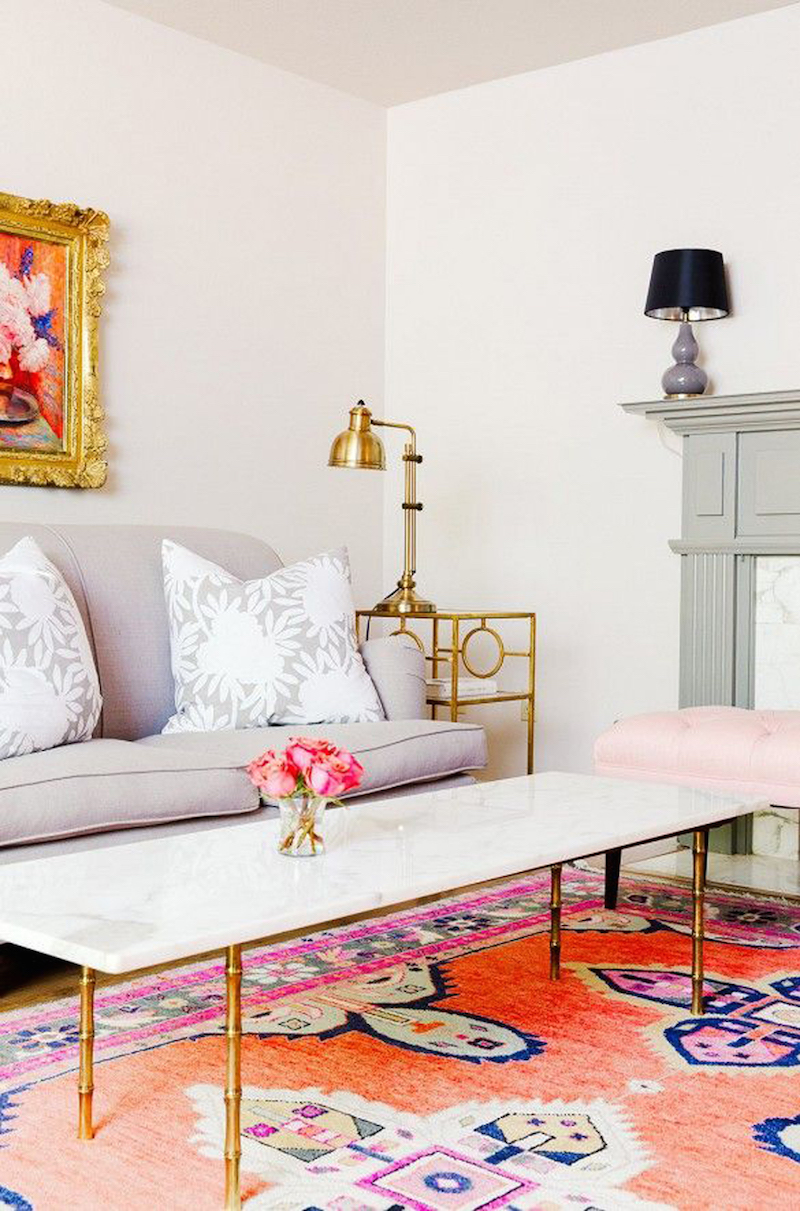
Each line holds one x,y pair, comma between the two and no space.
124,907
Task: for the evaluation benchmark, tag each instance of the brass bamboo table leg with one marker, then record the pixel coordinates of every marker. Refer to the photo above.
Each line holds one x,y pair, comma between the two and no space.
233,1076
555,921
86,1039
700,841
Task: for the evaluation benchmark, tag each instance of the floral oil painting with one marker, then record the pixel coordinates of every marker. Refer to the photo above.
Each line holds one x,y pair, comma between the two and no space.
32,303
52,256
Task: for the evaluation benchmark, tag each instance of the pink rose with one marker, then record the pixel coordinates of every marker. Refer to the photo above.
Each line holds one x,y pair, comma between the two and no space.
303,750
331,775
354,772
275,774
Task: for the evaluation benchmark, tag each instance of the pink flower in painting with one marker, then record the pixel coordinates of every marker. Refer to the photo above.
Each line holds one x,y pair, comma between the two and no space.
274,774
25,315
10,286
35,356
15,321
37,293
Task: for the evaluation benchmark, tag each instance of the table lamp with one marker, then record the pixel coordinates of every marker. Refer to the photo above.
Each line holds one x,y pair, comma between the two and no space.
686,284
358,447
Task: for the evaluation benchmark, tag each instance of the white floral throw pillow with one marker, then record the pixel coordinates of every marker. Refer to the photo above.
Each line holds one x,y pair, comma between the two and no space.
49,692
281,649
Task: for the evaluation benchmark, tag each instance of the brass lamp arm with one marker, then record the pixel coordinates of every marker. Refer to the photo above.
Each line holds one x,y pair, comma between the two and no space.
393,424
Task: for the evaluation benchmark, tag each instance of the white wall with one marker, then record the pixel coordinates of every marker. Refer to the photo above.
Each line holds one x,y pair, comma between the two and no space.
245,310
523,217
245,298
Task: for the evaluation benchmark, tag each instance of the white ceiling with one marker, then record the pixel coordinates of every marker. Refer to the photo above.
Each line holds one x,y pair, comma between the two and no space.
391,51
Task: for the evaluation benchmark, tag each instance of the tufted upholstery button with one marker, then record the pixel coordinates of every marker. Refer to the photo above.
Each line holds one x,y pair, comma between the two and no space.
721,748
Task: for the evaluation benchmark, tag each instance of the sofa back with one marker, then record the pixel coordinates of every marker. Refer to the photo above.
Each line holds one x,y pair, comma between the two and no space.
115,575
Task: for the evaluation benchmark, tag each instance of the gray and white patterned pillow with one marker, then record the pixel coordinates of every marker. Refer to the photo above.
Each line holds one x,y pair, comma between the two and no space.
49,692
281,649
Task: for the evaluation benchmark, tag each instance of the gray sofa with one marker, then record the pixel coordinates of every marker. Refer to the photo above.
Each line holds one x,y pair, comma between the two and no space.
129,777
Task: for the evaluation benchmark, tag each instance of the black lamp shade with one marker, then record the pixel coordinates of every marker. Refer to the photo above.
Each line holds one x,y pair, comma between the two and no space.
687,283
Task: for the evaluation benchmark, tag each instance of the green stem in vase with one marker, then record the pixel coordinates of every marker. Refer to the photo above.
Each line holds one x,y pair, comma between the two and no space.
305,826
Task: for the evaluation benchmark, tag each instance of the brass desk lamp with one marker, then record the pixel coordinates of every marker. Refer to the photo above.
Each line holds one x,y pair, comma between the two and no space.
357,446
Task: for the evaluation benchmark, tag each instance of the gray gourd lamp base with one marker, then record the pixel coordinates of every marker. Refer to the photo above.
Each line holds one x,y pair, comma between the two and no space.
684,379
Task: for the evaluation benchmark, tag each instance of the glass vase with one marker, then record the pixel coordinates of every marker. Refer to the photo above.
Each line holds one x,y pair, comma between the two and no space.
300,834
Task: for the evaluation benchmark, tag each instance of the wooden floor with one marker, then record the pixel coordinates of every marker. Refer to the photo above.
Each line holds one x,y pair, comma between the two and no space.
27,978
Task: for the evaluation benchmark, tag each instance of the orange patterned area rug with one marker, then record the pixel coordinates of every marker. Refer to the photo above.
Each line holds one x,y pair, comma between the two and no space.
424,1062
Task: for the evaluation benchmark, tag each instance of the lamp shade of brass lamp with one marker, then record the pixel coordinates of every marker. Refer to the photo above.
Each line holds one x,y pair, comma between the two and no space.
358,447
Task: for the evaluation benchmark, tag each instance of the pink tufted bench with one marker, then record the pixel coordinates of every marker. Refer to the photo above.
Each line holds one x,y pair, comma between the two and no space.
722,748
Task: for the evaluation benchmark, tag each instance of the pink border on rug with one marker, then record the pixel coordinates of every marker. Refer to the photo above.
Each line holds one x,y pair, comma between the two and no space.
580,883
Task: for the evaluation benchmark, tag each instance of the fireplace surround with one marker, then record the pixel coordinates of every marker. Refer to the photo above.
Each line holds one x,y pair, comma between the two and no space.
740,566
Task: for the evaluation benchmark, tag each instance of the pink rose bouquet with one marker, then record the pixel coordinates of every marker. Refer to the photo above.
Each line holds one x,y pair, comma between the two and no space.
304,778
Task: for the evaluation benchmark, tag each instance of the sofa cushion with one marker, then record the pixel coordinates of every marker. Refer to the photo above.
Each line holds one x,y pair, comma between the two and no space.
278,649
11,854
396,665
49,691
106,784
393,752
722,748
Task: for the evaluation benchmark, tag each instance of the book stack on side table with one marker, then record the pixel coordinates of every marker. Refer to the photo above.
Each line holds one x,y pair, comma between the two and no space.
468,687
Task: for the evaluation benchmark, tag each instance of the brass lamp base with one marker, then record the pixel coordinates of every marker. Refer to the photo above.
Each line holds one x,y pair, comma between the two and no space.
405,601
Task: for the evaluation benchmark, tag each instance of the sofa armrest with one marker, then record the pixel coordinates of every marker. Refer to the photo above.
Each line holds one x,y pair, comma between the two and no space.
397,668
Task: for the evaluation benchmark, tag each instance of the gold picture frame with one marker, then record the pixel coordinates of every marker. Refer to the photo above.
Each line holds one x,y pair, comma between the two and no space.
52,257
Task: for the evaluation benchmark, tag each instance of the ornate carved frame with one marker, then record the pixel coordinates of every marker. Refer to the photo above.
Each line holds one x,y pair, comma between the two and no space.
84,233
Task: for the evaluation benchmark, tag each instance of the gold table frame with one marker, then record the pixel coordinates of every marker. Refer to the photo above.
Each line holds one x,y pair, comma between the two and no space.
463,627
233,1002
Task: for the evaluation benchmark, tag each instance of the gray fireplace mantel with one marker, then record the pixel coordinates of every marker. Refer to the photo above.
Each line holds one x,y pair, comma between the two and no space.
715,413
741,500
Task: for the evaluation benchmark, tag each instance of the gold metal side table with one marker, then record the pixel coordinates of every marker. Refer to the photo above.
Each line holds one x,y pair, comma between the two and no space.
445,637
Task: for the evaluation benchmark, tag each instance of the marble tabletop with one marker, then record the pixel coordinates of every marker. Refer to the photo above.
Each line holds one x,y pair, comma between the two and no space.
123,907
